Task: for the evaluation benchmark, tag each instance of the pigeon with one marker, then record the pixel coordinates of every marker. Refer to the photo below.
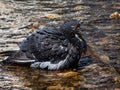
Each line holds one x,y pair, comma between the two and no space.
52,48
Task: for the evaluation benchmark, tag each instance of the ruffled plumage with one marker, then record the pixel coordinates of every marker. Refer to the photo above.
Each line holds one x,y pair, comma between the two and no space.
52,48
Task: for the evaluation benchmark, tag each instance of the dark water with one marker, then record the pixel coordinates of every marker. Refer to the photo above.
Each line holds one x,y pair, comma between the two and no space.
19,17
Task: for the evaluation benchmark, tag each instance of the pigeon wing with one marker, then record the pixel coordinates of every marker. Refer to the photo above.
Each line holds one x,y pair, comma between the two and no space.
46,45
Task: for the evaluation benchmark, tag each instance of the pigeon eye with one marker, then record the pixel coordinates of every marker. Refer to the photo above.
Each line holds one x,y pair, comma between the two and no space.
75,27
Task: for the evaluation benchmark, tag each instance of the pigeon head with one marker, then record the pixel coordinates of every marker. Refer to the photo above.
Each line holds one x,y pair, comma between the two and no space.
71,31
70,28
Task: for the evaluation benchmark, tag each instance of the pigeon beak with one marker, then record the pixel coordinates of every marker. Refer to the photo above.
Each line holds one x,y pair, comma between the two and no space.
76,28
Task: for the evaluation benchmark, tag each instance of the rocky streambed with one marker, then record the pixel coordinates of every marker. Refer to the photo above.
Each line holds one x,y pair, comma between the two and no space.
100,29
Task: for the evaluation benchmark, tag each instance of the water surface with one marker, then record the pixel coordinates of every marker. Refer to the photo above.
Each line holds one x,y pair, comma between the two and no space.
20,17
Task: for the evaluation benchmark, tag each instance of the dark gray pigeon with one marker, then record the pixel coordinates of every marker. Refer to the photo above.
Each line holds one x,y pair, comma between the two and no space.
52,48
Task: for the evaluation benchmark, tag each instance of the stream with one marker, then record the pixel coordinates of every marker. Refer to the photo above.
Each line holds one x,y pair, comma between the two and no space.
18,18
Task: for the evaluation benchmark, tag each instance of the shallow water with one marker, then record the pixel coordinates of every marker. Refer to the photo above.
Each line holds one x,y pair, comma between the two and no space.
19,17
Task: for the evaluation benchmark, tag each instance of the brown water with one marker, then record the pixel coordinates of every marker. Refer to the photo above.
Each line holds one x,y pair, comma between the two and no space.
19,17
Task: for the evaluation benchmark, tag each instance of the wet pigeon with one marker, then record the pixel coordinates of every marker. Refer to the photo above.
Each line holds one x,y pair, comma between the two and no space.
52,48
